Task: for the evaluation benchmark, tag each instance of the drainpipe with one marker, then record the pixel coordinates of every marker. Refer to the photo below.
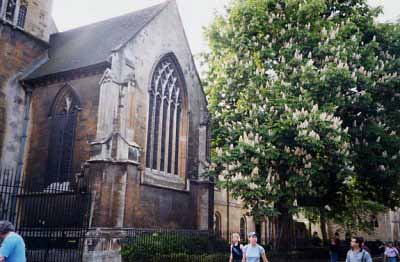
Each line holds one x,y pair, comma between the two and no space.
28,92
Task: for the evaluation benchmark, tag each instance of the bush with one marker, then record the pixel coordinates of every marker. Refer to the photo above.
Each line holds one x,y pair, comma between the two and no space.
152,247
182,258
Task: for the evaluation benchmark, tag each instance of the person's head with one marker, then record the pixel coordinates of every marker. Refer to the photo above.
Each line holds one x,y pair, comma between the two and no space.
5,228
390,244
252,238
235,238
315,233
357,242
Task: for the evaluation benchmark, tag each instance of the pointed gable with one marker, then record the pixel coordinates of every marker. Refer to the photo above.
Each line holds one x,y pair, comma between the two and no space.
93,44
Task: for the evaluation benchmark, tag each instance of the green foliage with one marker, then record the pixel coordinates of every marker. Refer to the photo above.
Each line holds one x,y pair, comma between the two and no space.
181,258
166,246
305,99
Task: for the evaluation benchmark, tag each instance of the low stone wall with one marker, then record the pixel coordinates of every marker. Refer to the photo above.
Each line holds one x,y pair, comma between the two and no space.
103,245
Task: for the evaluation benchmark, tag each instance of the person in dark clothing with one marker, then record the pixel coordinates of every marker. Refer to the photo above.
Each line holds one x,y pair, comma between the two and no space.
337,238
236,249
316,240
334,250
364,246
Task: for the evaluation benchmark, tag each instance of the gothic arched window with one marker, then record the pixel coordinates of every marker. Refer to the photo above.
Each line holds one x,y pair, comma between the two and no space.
10,10
22,16
166,105
243,229
63,118
217,225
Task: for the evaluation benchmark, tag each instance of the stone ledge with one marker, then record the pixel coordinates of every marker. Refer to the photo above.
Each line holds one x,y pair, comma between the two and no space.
102,256
174,182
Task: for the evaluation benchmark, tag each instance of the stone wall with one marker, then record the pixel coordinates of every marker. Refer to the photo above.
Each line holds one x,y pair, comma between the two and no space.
18,54
38,19
236,212
87,89
165,34
386,228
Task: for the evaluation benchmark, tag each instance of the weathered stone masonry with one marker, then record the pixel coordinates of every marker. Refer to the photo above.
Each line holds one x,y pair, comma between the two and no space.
18,51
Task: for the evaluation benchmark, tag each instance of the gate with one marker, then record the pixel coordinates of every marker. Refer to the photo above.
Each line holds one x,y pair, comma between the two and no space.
52,219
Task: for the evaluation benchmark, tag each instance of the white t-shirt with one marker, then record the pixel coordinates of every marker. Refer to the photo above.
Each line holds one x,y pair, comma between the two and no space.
391,252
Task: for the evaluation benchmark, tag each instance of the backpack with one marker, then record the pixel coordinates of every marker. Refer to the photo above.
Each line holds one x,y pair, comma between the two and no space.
363,255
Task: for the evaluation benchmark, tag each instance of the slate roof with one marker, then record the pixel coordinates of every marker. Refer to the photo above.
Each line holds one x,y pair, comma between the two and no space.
93,44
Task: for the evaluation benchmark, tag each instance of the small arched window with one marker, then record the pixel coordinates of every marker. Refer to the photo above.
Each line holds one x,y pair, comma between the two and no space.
10,10
22,16
217,225
165,118
63,119
374,221
243,229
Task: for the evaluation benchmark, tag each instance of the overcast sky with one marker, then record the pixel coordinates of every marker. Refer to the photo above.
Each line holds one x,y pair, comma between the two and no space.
195,13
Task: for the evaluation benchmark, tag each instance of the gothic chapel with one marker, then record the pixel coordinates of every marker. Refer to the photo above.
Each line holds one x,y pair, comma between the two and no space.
118,103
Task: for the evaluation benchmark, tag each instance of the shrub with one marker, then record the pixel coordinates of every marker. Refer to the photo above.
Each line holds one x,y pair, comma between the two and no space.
160,245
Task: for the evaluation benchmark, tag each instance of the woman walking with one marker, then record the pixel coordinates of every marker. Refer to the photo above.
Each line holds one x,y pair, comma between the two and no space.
236,249
253,251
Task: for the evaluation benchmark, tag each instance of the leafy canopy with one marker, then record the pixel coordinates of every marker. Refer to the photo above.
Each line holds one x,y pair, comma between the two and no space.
305,97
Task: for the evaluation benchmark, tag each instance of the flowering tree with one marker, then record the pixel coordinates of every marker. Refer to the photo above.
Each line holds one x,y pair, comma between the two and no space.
305,103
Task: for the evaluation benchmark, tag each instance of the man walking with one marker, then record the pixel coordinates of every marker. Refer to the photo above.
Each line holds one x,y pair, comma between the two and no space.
357,254
13,247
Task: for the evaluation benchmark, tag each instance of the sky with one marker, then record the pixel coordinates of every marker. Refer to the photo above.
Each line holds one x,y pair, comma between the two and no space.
196,14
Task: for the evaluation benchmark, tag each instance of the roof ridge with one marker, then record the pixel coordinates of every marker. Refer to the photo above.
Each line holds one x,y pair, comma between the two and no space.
161,6
94,43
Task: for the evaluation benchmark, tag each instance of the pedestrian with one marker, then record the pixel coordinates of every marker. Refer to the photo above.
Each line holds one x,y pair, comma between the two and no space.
334,250
253,251
316,240
397,246
13,247
364,246
381,247
337,238
356,253
391,253
236,249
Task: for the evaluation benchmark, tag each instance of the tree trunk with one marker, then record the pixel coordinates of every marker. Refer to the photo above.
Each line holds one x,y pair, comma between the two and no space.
323,225
284,228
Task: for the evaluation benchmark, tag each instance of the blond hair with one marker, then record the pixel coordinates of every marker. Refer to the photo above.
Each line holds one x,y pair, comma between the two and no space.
235,235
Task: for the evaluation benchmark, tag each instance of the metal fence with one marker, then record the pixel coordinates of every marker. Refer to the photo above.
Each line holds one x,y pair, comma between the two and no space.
52,218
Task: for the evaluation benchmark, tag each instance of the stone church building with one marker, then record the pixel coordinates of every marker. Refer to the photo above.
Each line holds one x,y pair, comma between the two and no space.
118,103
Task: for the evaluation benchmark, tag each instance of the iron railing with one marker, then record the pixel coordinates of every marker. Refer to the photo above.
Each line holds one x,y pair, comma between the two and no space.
52,218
